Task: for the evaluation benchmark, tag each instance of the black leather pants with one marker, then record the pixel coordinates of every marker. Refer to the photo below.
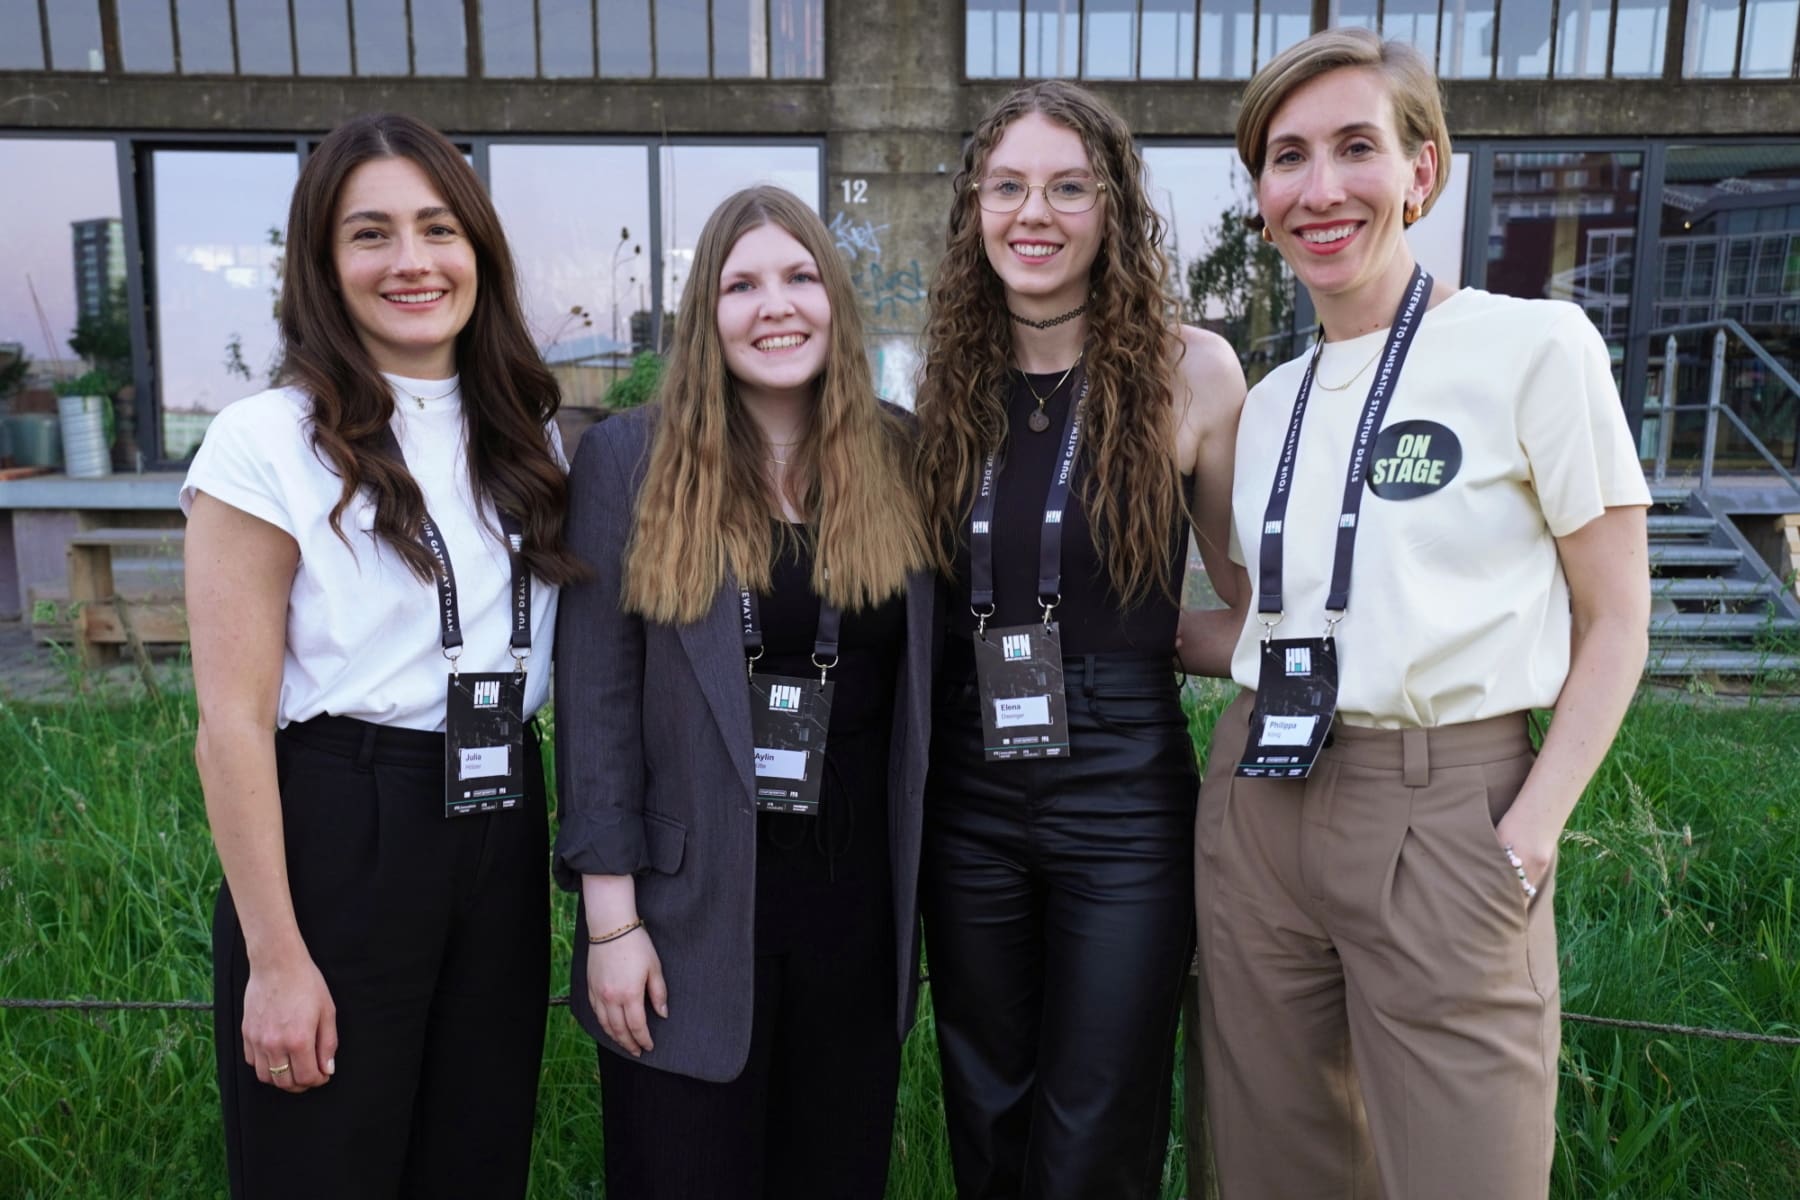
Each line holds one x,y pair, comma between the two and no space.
1058,899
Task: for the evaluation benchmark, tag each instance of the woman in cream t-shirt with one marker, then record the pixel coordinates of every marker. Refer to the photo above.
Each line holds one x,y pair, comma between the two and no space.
1443,516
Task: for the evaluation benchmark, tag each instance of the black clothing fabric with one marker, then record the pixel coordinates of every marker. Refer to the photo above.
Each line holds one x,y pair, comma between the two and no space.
433,937
1093,618
812,1113
1059,923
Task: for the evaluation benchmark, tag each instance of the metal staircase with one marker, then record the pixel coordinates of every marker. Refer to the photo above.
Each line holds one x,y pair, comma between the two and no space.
1716,606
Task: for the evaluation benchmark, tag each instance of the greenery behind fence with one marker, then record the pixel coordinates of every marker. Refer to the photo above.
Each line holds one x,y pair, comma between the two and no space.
1677,902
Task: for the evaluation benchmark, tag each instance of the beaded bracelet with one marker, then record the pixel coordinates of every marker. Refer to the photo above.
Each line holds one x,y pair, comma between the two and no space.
1519,870
615,934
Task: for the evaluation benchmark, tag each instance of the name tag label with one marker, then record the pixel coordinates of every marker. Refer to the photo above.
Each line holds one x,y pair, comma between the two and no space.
1024,714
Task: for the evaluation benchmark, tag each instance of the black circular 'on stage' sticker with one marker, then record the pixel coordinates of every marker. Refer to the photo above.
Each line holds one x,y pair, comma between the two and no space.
1413,458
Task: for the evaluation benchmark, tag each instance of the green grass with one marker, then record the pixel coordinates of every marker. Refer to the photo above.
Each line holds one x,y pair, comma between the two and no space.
1679,900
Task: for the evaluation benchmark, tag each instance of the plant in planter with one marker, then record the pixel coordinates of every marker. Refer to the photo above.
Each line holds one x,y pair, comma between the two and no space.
85,406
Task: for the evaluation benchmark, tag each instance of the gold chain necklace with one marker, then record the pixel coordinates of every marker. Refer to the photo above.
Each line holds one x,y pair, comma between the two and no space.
1039,421
420,400
1341,386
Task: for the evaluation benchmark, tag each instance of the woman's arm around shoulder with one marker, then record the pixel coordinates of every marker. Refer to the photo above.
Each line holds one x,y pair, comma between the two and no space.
1208,394
239,571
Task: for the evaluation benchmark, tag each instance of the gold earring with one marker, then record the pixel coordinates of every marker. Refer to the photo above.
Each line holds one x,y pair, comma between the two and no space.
1267,236
1412,212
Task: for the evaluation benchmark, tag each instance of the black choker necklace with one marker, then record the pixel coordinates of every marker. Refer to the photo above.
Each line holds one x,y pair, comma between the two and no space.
1050,322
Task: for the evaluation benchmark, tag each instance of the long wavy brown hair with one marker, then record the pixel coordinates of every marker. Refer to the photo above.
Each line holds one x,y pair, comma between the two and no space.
508,394
703,511
1132,488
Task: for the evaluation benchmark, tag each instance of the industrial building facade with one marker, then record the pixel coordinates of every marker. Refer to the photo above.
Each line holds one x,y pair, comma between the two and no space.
1640,157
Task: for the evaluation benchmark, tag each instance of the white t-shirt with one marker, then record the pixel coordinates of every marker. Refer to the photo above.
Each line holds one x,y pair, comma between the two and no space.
363,638
1504,433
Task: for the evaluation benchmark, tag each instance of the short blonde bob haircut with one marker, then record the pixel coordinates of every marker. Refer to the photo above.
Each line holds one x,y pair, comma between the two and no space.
1418,107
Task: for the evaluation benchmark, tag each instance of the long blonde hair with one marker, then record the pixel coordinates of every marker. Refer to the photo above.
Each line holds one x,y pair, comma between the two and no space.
703,512
1132,494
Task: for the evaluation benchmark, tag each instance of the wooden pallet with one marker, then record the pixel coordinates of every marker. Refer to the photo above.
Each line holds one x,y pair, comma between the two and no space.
104,621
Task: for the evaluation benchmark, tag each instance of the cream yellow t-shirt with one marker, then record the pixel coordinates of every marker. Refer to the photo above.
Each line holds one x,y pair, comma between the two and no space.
1504,433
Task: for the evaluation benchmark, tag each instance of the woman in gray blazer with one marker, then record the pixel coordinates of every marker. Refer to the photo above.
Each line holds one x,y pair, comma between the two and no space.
742,698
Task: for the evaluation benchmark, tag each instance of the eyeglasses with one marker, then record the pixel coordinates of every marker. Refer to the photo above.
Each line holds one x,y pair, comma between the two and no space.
1004,194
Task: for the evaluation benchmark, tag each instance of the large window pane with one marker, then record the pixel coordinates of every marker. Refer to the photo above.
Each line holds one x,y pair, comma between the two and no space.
220,218
991,39
61,240
322,38
205,29
696,178
146,38
1769,38
1282,23
380,29
1227,38
1564,225
509,38
22,49
797,36
1640,33
1167,51
1524,39
1358,14
1414,22
740,39
566,39
625,38
1052,30
1711,45
74,36
262,32
584,269
1111,39
1466,42
440,38
1581,39
681,37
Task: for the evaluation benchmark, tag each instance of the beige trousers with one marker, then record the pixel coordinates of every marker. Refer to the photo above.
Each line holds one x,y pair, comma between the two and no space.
1379,1006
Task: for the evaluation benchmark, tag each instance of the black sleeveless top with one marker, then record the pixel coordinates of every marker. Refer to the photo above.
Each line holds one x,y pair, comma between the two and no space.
1093,618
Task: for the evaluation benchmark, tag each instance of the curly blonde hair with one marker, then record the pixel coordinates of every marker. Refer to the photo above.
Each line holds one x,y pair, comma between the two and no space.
1132,489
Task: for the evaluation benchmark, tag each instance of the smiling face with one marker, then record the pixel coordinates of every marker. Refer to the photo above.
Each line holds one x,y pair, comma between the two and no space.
1333,191
774,316
405,268
1043,257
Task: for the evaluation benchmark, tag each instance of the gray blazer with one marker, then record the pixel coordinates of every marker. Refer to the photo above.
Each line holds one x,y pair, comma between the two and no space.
655,779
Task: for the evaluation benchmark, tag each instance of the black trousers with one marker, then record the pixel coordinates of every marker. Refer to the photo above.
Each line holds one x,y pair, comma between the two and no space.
811,1116
433,937
1059,925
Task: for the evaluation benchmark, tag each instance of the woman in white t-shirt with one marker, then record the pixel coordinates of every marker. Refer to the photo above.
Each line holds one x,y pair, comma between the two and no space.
374,544
1381,1009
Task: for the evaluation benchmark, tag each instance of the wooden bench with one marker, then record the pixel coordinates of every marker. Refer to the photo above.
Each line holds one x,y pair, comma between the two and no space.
103,621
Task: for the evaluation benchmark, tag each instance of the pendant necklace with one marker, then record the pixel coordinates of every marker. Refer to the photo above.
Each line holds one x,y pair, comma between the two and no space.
420,400
1039,420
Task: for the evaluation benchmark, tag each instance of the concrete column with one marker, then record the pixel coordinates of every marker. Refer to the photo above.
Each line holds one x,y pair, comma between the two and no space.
895,142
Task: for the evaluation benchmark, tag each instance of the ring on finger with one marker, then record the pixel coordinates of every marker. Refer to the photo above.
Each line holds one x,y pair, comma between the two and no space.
283,1069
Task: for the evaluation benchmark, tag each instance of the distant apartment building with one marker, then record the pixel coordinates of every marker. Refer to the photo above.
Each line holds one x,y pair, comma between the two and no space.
99,252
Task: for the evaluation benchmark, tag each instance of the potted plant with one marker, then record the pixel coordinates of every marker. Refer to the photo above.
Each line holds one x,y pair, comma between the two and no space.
84,407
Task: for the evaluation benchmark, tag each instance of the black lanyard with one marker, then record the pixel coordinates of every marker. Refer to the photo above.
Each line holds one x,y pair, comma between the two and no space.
981,519
825,638
1381,390
449,616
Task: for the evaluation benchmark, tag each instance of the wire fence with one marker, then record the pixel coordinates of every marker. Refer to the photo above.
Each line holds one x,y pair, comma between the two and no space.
562,1001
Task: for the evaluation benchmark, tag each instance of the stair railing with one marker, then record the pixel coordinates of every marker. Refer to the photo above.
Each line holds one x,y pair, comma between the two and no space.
1715,386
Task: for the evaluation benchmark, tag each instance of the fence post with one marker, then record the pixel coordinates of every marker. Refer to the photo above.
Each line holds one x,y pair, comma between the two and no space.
1714,385
1665,424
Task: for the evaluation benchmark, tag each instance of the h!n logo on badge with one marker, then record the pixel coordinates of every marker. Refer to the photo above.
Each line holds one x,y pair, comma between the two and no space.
487,693
1299,660
784,697
1015,647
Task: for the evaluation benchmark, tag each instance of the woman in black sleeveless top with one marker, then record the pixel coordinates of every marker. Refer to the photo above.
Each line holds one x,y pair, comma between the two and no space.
1058,873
